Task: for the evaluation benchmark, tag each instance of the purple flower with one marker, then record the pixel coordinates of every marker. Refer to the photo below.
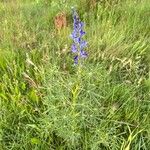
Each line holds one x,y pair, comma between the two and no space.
76,59
83,44
82,32
78,43
73,35
83,54
74,48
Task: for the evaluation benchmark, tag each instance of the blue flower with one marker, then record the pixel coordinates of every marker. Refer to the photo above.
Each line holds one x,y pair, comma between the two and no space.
77,35
83,54
82,32
74,48
76,59
83,44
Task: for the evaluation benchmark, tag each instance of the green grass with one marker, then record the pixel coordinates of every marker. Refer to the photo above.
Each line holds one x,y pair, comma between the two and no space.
43,103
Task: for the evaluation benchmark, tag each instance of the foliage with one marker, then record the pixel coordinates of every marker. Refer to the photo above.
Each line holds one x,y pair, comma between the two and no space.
44,106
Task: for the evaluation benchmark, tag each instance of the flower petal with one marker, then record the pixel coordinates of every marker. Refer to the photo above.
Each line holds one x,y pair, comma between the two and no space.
82,32
76,59
83,54
83,44
74,48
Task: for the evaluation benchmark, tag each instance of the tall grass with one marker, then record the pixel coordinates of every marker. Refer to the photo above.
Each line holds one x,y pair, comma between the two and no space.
38,81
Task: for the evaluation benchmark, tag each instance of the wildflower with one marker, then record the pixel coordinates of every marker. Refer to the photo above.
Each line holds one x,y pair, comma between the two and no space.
77,35
76,59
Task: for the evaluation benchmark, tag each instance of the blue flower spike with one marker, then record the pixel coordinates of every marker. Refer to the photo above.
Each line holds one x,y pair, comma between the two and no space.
77,35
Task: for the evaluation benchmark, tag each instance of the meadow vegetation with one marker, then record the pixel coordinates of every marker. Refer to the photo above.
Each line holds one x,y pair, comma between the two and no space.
41,106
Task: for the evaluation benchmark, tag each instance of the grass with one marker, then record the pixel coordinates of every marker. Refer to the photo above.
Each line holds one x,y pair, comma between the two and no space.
42,104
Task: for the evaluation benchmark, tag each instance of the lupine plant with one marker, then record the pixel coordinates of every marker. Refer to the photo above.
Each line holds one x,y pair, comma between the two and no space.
77,48
78,42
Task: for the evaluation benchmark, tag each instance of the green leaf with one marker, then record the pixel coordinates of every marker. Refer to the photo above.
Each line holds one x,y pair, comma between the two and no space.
35,140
